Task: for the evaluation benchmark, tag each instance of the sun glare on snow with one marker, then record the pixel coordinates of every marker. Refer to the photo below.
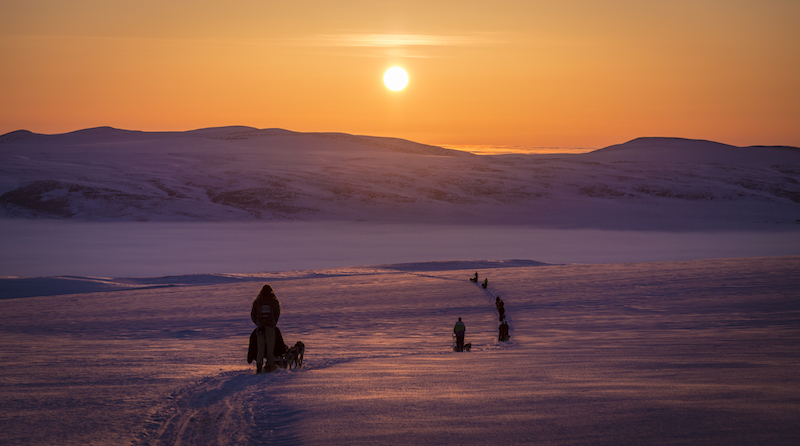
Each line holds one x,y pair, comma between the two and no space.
395,78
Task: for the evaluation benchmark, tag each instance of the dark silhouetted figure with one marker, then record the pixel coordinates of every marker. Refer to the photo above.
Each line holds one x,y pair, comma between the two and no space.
474,279
265,314
485,283
503,335
459,329
501,310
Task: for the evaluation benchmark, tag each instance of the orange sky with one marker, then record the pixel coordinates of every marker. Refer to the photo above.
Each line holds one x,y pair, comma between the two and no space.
566,73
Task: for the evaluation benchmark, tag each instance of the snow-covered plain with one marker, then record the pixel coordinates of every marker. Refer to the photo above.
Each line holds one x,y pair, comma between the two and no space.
696,352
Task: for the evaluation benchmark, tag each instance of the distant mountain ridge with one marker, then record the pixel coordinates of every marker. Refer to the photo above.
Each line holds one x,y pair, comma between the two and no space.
696,150
244,173
648,143
109,134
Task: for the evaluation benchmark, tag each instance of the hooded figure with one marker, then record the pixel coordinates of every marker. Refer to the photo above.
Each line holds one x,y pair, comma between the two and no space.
459,329
265,314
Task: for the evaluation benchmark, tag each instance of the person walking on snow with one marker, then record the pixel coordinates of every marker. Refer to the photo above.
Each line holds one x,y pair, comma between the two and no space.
459,329
265,314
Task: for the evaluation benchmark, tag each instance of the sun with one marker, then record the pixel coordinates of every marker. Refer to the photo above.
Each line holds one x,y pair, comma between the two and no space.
395,78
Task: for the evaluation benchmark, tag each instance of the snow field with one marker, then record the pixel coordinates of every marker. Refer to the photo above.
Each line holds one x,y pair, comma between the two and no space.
695,352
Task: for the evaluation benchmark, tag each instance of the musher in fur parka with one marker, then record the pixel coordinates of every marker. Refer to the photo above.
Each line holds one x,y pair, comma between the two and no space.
265,314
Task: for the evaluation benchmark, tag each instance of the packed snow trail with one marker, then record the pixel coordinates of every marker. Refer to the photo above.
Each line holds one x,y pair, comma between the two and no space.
229,408
485,291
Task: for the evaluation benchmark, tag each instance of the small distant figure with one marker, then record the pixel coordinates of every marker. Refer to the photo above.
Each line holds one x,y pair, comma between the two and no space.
501,310
497,302
474,279
485,283
459,329
503,335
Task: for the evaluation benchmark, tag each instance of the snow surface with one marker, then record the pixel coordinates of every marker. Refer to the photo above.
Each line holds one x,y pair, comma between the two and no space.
695,352
242,173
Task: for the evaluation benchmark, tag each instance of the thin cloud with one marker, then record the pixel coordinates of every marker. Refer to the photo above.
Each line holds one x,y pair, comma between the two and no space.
397,40
377,41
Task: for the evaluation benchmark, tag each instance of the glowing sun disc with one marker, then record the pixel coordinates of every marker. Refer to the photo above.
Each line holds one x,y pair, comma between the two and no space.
395,78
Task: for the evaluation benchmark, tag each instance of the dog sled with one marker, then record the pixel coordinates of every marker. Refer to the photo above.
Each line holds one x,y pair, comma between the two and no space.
285,357
293,358
467,345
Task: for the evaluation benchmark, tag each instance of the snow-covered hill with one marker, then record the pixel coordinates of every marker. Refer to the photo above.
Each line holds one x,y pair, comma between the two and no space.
243,173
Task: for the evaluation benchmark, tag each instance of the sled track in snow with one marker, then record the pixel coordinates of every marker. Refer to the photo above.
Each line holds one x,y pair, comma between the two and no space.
485,291
230,408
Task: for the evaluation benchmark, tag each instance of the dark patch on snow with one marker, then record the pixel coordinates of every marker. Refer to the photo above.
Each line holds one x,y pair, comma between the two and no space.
274,199
62,199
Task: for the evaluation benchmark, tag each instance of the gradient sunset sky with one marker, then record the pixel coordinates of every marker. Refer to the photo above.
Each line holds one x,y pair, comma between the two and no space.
567,73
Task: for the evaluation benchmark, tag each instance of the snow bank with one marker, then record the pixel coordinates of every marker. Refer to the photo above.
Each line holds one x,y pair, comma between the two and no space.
17,287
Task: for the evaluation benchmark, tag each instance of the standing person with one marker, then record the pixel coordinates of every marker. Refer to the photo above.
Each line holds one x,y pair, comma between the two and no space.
503,335
459,329
265,314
